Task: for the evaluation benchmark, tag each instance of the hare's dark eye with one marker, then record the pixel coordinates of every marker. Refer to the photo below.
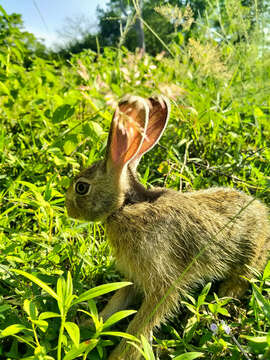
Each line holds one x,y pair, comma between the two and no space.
82,188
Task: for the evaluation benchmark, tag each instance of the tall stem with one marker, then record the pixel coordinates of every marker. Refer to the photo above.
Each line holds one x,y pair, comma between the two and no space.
61,332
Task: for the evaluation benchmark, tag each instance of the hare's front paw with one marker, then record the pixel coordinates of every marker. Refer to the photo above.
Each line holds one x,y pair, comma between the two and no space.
116,356
234,287
117,353
125,352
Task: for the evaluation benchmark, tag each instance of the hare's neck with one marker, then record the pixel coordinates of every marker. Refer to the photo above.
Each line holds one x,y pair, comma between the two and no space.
136,192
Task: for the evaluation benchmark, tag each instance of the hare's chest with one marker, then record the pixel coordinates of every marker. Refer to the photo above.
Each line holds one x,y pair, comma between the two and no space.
132,252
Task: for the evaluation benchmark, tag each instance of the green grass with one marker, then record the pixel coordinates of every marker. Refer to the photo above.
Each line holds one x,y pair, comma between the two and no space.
54,121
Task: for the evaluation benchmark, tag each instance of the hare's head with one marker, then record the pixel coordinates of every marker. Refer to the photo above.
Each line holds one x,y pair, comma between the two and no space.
101,189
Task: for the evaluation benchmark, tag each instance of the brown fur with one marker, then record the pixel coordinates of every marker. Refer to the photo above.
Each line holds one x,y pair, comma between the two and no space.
155,234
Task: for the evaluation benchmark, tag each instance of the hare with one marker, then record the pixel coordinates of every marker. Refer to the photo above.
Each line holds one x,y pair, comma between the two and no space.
164,241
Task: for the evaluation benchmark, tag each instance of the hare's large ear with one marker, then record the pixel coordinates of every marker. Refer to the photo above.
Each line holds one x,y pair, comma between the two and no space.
158,119
127,132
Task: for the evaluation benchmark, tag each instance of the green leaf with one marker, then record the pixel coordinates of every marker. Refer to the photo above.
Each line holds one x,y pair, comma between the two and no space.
64,293
42,324
213,308
96,321
4,307
262,302
190,307
44,357
3,12
93,307
148,351
31,309
206,289
255,339
68,301
121,334
62,113
203,294
4,88
266,273
48,315
189,356
69,147
223,311
12,330
61,288
74,332
14,259
190,328
100,290
69,288
117,317
258,113
86,346
97,128
37,281
268,338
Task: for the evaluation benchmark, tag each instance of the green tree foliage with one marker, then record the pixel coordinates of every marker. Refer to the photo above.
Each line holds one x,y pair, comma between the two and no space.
89,41
21,44
117,11
231,18
235,20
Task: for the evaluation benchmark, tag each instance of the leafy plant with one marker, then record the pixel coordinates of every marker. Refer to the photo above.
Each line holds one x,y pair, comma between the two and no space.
65,300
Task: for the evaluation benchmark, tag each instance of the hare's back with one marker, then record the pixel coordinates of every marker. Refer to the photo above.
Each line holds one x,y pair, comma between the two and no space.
230,217
228,225
198,216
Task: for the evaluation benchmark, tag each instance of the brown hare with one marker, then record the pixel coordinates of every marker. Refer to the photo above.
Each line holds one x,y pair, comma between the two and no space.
156,233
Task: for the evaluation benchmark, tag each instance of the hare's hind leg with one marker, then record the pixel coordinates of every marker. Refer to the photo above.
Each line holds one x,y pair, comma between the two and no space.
235,285
151,313
120,301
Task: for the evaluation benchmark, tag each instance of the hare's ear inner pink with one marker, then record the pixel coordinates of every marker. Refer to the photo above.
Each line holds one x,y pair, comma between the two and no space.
158,119
127,131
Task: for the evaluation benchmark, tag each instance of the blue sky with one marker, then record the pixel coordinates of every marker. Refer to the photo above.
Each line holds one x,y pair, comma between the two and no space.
53,14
